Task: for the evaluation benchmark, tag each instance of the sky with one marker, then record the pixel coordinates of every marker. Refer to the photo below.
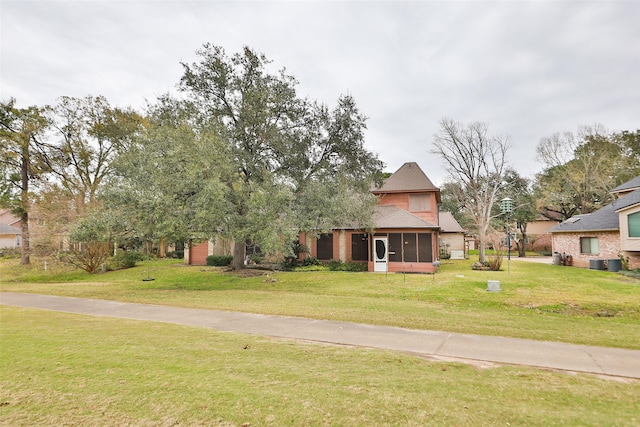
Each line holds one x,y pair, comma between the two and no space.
528,69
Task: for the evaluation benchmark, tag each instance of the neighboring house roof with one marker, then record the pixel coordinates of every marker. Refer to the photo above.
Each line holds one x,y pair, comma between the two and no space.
409,178
604,219
627,200
6,217
633,184
448,223
7,229
393,217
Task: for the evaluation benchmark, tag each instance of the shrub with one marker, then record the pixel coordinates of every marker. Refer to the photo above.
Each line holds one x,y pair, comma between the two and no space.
494,263
219,260
337,265
310,261
355,266
9,253
90,256
176,254
126,259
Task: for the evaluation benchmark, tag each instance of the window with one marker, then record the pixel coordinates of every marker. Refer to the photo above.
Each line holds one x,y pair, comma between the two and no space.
410,247
424,247
359,247
588,245
419,202
634,224
325,247
395,247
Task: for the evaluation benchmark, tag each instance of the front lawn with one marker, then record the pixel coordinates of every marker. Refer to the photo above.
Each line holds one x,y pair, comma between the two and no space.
75,370
537,301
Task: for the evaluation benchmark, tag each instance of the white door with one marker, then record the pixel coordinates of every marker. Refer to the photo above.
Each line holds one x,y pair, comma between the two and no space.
380,254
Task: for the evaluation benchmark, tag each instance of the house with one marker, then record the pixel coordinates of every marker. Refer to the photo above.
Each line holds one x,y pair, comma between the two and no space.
538,236
9,236
451,236
606,234
406,231
39,232
405,237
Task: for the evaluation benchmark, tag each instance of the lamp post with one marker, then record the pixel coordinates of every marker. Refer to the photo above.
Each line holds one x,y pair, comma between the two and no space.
506,207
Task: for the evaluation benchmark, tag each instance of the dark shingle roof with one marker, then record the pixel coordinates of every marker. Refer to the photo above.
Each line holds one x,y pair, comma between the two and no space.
394,217
448,223
604,219
408,178
633,184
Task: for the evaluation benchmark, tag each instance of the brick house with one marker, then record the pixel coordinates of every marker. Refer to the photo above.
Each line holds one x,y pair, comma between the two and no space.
606,234
406,231
405,236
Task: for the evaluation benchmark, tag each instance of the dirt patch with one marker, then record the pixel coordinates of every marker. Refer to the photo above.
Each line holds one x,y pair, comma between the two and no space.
250,271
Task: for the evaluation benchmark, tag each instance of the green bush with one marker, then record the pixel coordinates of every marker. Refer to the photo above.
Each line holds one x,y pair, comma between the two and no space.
219,260
355,266
176,254
337,265
309,261
125,259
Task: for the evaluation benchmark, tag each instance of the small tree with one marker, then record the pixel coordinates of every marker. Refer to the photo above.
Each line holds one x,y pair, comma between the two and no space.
89,247
477,162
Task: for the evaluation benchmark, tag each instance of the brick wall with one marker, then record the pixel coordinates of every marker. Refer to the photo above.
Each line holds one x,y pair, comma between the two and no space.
569,243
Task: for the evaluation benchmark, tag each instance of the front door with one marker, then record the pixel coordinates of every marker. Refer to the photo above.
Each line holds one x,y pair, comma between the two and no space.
380,254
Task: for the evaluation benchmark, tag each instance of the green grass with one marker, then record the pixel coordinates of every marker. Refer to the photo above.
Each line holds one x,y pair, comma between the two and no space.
64,369
537,301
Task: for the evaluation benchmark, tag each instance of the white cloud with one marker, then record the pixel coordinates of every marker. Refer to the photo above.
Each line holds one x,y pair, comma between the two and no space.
528,69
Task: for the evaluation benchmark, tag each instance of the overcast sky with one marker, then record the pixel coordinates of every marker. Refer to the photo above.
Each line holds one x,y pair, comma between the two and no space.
527,69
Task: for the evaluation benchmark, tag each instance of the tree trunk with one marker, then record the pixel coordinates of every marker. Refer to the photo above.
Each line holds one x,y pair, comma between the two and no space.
481,243
522,248
238,255
24,207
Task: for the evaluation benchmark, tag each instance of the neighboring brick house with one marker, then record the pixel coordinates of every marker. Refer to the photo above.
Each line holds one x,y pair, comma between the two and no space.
406,231
606,234
538,234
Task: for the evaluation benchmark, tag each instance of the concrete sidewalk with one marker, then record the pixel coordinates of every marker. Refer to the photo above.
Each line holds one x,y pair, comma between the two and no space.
433,344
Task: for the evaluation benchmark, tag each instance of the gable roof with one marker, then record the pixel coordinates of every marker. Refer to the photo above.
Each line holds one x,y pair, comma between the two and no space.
409,178
388,216
604,219
630,185
7,229
448,223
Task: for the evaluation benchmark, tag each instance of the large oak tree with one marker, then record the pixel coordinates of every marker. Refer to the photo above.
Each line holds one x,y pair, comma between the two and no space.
285,164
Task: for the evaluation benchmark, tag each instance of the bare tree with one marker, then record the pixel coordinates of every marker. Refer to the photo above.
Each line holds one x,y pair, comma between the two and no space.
477,162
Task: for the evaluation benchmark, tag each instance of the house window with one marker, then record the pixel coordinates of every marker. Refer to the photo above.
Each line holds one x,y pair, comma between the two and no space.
395,247
588,245
410,247
634,224
359,250
419,202
325,247
424,247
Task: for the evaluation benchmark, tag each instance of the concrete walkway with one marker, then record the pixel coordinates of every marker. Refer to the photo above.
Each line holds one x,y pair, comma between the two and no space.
432,344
